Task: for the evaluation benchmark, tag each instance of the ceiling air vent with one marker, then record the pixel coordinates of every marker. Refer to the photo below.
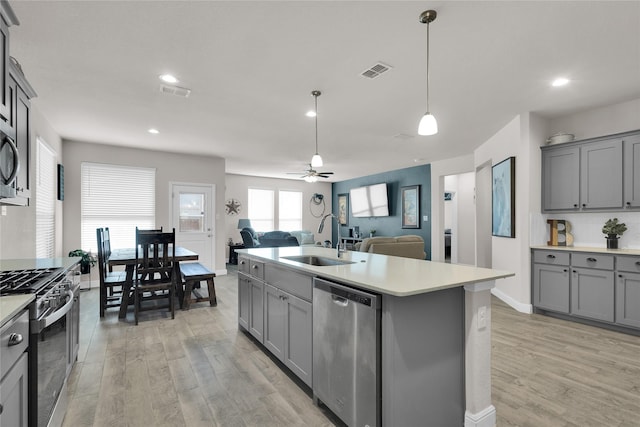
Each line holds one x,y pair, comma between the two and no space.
175,90
375,70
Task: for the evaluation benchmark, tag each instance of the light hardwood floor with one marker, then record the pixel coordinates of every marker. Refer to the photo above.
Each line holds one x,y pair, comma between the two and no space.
200,370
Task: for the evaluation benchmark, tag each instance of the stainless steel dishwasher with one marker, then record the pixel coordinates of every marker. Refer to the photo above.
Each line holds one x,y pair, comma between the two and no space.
346,352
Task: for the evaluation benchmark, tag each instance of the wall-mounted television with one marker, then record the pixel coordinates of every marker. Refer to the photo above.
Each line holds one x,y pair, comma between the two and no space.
369,201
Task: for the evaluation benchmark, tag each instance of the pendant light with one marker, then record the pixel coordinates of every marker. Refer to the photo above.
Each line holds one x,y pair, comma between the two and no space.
428,124
316,160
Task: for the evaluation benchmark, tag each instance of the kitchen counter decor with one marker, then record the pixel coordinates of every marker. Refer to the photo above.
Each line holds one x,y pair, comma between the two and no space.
612,228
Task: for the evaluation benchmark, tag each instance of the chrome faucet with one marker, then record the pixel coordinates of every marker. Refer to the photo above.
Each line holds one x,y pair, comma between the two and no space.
340,246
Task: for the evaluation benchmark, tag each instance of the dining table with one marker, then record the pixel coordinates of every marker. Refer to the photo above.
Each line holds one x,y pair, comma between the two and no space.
127,257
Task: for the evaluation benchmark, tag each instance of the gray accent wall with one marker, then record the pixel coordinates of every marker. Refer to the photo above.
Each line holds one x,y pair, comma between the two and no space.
391,225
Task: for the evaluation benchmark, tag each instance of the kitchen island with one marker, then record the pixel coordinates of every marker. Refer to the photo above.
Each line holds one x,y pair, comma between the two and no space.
435,326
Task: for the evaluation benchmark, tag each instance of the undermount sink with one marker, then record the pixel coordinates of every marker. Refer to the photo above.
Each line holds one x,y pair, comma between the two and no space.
317,260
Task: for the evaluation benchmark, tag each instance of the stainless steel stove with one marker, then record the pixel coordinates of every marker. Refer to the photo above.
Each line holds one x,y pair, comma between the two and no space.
53,330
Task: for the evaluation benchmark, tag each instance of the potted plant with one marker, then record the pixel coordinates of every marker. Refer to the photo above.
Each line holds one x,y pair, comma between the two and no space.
86,262
372,232
612,228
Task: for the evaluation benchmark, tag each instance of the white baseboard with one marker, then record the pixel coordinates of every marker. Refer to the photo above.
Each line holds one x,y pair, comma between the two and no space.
484,418
517,305
222,272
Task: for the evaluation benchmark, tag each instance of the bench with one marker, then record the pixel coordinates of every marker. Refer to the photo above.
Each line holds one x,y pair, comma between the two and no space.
192,274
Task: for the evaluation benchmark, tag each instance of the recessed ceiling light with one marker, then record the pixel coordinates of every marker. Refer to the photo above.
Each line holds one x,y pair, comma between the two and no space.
168,78
311,114
560,81
153,131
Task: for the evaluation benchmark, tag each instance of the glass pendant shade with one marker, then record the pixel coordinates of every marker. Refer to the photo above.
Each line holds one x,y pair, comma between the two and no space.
428,125
311,178
316,161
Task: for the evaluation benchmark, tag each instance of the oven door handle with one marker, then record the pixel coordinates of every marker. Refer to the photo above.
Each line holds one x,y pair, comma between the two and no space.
56,315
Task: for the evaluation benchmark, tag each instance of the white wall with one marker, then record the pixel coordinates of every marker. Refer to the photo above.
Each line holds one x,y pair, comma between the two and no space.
18,226
237,188
170,167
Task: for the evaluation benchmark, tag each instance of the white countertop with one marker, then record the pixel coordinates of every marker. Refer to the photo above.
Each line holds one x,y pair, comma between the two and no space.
381,273
589,249
12,304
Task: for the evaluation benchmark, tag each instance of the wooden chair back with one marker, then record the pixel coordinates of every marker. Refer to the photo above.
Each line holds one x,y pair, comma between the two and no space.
155,256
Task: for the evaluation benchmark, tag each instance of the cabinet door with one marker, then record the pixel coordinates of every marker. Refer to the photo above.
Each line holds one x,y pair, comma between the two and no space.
256,319
560,179
298,338
14,395
5,98
592,294
551,287
23,142
632,171
628,299
601,175
244,300
274,321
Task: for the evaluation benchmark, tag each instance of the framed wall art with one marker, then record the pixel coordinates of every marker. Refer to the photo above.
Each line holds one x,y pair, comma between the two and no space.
343,209
410,204
503,198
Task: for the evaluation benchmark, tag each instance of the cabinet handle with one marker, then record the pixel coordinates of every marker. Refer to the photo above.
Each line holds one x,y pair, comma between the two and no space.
637,262
584,205
574,271
575,205
591,259
255,267
628,203
15,339
241,262
565,270
620,276
1,408
551,256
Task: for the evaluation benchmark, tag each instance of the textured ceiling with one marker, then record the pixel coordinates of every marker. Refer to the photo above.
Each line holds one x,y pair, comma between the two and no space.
251,67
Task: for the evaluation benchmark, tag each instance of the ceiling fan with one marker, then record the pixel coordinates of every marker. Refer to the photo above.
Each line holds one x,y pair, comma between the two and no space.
312,175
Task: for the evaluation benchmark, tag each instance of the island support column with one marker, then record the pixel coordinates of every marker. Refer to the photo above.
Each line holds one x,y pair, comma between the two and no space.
479,410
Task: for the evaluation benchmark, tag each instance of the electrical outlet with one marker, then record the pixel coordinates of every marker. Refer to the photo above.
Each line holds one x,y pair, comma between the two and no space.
4,211
482,317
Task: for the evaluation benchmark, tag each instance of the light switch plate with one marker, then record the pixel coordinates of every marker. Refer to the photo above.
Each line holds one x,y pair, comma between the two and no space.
4,211
425,218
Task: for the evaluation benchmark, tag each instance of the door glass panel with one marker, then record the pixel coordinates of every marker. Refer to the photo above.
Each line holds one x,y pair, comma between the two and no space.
192,212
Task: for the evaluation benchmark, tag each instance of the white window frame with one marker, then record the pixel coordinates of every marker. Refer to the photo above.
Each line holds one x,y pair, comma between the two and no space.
119,197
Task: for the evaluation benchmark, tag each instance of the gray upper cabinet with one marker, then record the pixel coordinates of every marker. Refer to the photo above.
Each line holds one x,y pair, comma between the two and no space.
592,175
601,175
632,171
561,179
5,96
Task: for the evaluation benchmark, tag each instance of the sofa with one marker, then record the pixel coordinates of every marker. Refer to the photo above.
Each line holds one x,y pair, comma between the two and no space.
409,246
275,239
304,237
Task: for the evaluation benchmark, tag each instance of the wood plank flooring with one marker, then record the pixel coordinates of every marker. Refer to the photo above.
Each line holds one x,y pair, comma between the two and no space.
199,369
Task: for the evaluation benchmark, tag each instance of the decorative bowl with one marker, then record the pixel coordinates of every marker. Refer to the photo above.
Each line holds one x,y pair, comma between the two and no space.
560,137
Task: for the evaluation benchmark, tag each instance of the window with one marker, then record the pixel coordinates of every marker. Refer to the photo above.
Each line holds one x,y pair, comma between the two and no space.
290,210
260,209
45,200
119,197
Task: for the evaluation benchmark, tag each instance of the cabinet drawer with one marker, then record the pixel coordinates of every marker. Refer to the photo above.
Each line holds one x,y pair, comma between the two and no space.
257,269
11,353
243,265
628,263
290,281
551,257
592,260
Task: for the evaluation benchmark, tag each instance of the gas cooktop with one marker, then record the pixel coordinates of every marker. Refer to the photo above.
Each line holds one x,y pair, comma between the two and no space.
27,281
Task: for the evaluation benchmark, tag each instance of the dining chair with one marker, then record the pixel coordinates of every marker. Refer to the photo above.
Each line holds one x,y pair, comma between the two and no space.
111,282
155,277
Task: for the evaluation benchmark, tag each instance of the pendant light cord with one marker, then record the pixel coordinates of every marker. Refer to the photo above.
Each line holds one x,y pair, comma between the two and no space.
316,104
428,66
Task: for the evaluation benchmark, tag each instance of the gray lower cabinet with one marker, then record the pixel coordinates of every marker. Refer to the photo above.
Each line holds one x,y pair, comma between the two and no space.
628,291
592,293
288,331
250,305
14,384
551,287
632,171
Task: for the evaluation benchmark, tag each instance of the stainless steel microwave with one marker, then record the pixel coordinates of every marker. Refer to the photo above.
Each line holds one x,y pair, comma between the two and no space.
9,166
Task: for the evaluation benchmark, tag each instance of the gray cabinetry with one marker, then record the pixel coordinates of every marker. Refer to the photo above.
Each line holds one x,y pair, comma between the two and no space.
250,305
632,171
14,337
601,175
288,331
601,287
5,98
244,300
628,291
592,175
592,293
561,179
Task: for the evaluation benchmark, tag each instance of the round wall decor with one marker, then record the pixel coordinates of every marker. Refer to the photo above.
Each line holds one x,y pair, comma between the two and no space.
232,206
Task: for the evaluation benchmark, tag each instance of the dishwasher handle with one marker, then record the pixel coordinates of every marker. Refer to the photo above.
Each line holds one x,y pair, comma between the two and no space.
343,302
342,294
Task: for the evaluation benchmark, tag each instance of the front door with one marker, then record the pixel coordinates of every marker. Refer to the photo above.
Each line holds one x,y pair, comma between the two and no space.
192,217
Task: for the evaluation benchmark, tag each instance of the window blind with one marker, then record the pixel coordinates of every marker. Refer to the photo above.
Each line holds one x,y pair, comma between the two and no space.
261,209
45,200
119,197
289,210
